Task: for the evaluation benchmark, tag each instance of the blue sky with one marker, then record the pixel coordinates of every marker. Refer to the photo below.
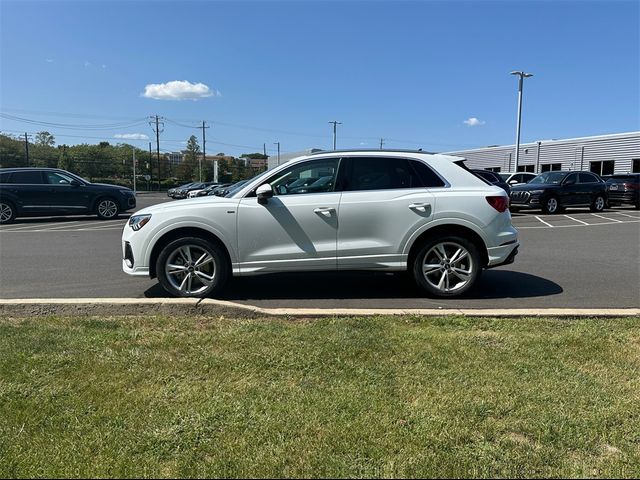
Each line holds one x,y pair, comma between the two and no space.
409,72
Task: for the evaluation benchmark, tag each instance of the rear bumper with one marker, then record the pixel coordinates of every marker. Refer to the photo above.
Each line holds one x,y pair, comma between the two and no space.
503,255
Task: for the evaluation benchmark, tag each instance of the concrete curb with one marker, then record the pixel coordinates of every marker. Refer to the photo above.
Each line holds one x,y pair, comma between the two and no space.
189,306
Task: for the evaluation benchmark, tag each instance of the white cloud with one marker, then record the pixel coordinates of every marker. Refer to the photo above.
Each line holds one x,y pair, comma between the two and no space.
131,136
87,64
474,122
49,60
178,90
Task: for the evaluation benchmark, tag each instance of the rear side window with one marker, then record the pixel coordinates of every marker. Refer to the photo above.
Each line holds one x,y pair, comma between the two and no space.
429,177
4,177
29,178
380,173
588,178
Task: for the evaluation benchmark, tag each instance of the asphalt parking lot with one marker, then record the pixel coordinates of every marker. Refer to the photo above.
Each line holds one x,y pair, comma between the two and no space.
574,260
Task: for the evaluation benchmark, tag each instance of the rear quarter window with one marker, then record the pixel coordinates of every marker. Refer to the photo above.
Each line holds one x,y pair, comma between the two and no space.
27,178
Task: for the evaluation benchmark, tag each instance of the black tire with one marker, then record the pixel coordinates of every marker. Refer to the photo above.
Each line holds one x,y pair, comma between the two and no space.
7,212
433,271
599,203
551,205
107,208
183,254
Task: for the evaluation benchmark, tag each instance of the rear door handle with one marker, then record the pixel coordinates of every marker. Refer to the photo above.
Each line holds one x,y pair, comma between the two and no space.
422,207
326,211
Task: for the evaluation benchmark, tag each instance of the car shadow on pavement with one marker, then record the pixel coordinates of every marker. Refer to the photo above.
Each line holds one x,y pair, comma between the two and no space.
70,219
371,285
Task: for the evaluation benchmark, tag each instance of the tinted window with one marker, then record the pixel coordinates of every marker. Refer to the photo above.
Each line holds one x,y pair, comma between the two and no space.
427,176
29,177
588,178
571,179
549,177
4,177
488,176
316,176
57,178
379,173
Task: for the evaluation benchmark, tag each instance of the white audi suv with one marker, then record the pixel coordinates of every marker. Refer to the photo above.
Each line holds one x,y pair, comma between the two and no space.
335,210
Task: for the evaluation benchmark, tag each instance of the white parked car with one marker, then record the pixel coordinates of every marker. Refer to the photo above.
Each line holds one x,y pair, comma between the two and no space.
350,210
194,193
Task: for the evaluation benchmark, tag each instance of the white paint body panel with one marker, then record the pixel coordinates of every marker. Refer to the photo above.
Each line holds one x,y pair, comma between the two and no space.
335,230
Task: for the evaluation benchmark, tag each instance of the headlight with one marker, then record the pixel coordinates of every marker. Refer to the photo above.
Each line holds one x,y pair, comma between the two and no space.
126,192
136,222
536,192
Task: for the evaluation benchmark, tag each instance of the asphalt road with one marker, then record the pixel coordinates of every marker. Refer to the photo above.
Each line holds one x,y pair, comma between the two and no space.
575,260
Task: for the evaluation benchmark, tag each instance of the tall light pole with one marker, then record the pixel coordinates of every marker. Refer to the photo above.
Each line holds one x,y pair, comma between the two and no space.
278,144
335,124
522,76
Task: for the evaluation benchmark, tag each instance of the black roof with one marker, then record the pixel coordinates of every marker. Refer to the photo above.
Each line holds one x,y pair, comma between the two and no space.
372,150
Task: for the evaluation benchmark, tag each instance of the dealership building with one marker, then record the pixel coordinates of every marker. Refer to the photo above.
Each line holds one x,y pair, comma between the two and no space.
603,154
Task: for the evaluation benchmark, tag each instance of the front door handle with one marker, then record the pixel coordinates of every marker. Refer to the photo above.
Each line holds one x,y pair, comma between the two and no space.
326,211
422,207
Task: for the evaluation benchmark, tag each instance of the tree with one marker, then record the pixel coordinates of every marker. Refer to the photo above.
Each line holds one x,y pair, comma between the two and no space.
45,139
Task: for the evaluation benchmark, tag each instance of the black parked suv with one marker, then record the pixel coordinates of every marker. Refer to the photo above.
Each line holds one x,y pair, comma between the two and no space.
33,192
624,188
553,191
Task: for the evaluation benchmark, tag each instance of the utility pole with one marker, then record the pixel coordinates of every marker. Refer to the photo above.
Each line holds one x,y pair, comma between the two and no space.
156,129
278,144
134,170
335,124
381,143
264,149
26,146
204,147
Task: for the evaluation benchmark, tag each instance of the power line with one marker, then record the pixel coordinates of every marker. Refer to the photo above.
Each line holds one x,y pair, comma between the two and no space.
112,126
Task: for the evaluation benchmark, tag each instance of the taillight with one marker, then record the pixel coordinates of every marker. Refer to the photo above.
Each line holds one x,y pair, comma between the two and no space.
499,203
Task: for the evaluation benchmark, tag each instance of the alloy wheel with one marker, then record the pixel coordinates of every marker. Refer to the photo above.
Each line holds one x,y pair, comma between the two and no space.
448,267
6,212
190,269
107,208
552,205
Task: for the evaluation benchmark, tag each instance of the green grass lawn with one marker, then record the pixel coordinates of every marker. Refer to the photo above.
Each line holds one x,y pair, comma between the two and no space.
365,397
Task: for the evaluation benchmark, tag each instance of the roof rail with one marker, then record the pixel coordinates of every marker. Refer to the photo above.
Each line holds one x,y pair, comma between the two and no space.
372,150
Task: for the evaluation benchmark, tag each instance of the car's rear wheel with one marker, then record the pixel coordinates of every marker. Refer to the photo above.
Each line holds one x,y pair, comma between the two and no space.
107,208
7,212
192,267
447,266
598,204
551,205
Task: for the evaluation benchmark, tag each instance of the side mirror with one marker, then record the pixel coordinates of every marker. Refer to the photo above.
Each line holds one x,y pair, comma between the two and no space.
513,182
264,193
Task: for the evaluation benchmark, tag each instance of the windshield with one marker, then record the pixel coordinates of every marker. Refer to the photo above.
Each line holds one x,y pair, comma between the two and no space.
549,177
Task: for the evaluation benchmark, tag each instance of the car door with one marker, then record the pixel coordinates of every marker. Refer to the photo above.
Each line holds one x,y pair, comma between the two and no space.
569,190
67,194
28,188
384,201
589,186
297,228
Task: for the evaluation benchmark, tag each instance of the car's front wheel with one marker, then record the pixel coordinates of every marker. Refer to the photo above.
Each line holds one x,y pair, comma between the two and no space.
107,208
447,266
551,205
192,267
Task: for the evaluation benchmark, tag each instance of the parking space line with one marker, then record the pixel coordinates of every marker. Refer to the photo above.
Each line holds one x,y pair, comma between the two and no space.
547,224
635,217
576,220
606,218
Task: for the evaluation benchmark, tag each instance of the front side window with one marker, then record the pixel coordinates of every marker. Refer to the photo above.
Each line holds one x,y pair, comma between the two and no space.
56,178
548,177
380,173
316,176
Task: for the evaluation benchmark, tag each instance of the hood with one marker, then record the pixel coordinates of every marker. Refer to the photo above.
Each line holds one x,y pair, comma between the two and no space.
108,185
525,187
188,204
